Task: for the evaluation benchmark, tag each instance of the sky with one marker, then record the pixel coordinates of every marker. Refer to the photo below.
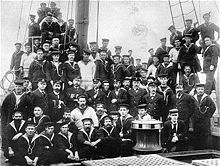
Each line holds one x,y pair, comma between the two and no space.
136,25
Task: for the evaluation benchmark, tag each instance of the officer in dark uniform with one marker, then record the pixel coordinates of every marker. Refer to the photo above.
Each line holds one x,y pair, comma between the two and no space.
201,118
154,102
135,94
117,96
186,104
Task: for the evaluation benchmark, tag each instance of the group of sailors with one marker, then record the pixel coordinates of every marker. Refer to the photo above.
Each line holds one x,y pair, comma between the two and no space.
69,105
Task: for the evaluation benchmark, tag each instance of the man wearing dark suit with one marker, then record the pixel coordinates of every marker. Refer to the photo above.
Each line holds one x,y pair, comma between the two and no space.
154,102
173,134
56,102
96,95
201,119
72,93
135,94
117,96
186,104
88,139
39,96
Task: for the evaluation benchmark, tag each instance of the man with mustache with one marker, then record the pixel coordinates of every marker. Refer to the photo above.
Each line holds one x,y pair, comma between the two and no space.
56,102
88,139
83,110
189,80
101,113
186,104
154,102
110,140
14,131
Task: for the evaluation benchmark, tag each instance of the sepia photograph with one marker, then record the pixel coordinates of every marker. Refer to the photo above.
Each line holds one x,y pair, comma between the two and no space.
110,83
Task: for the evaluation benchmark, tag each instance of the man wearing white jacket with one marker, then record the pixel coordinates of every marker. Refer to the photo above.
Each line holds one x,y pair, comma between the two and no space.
87,69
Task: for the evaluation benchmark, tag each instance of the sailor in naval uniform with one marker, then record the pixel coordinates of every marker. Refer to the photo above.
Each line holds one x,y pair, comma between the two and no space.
201,118
129,68
162,50
29,148
14,130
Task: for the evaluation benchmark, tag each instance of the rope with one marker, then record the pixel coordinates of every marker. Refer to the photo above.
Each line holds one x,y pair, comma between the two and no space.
216,5
72,9
8,79
19,24
27,21
67,15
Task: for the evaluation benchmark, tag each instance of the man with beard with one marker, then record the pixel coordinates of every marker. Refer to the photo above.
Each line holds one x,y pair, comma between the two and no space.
117,96
49,28
56,102
167,93
96,95
102,70
201,119
110,141
129,68
14,130
126,83
154,102
29,148
186,104
39,97
88,139
47,142
36,44
101,113
16,59
36,70
189,80
72,93
123,126
87,70
71,70
67,150
174,132
26,60
83,111
94,50
135,94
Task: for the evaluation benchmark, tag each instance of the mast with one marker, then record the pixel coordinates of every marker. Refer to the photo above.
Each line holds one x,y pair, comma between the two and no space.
82,22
